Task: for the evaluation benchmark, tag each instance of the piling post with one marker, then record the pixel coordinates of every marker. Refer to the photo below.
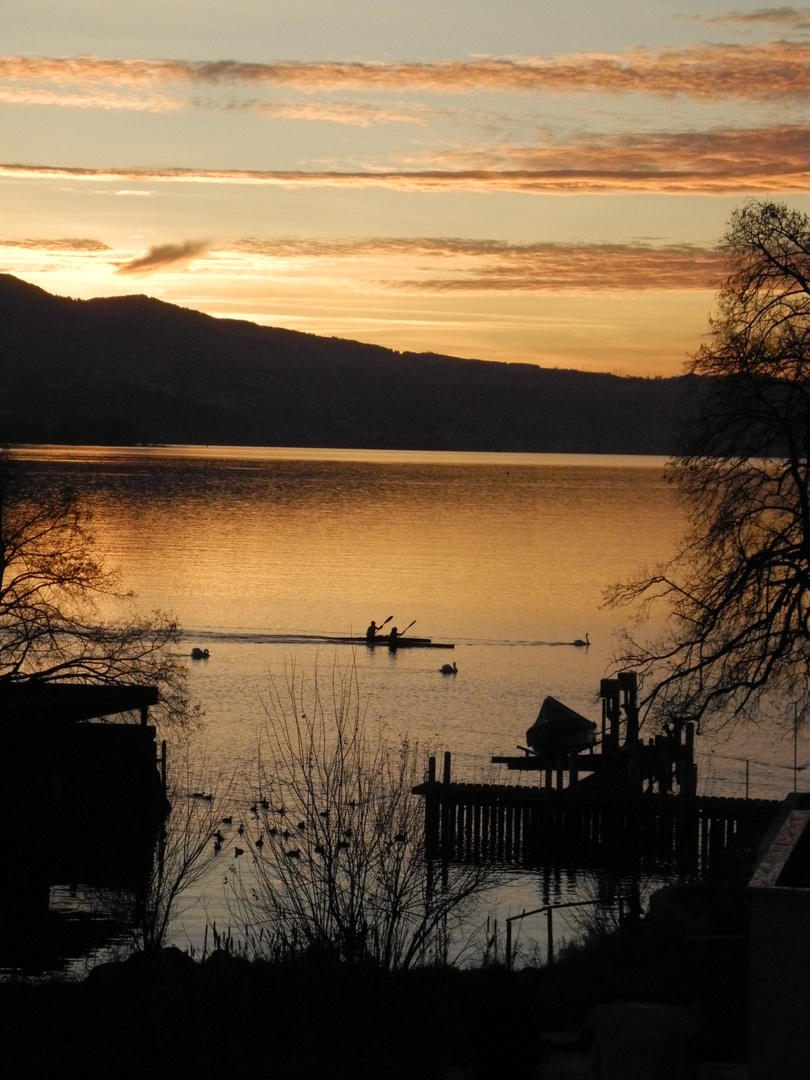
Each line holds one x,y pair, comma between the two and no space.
431,812
447,826
550,921
611,713
628,685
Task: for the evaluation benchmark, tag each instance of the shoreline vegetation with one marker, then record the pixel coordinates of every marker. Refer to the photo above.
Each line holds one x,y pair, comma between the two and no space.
163,1013
130,370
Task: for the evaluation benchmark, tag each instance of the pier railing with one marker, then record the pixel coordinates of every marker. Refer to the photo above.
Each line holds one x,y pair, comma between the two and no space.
573,828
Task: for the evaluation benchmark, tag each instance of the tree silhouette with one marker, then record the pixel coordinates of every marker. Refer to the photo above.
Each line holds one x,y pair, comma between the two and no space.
52,587
339,869
738,590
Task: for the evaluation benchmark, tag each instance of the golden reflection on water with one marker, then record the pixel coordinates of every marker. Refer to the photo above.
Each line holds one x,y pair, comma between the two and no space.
515,547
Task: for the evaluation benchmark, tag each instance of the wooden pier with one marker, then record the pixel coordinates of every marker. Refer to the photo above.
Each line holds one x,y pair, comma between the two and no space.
625,805
530,827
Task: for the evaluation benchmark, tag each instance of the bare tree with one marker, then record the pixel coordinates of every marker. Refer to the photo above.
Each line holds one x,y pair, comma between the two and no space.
187,846
52,583
338,839
738,591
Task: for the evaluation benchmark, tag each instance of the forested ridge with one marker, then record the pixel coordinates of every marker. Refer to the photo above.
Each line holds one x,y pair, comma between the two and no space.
132,369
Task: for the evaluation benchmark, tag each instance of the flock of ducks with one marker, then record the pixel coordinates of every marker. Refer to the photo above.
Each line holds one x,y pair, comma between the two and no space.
278,835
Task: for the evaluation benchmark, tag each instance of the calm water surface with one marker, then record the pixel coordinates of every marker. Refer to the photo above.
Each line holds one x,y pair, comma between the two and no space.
503,555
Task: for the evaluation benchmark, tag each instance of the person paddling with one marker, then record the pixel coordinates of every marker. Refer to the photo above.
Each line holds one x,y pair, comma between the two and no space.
395,635
373,630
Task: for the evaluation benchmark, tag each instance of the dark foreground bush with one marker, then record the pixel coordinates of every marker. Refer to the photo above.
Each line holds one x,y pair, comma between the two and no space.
166,1015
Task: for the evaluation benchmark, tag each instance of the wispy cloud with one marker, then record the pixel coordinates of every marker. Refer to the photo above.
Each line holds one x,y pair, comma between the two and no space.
419,265
89,99
741,161
165,257
787,17
703,72
460,265
357,114
61,244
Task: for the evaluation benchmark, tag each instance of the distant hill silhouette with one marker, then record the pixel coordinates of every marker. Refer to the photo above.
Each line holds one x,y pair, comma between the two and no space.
131,369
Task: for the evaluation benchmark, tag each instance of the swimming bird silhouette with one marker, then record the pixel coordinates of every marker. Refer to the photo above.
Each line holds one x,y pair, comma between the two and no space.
579,642
449,669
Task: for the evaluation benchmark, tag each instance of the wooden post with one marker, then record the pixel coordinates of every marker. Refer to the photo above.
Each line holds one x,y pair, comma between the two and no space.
611,713
550,920
573,769
628,686
431,812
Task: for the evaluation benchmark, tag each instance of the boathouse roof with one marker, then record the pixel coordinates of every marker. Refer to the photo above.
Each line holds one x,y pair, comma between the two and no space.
34,700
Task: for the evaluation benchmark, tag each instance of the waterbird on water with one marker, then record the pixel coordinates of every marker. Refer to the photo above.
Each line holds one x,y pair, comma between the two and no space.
579,642
449,669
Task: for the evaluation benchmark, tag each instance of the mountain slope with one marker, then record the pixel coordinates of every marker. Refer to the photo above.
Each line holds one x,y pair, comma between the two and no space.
134,370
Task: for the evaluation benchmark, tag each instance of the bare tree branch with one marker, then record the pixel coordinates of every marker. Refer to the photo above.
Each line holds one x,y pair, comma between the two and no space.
52,586
338,840
737,594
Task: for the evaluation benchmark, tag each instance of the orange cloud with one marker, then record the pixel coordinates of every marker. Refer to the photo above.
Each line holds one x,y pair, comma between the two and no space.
497,266
62,244
426,265
28,95
789,17
354,113
429,265
748,72
744,161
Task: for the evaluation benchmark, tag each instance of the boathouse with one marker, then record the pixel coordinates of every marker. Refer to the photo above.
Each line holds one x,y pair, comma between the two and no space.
83,789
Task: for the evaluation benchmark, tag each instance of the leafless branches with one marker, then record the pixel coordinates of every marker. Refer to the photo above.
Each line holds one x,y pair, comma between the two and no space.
52,584
339,853
738,591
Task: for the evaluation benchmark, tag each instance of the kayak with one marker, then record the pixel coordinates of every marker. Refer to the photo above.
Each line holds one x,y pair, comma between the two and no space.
383,642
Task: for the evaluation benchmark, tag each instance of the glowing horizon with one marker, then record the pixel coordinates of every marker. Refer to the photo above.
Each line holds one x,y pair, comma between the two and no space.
492,189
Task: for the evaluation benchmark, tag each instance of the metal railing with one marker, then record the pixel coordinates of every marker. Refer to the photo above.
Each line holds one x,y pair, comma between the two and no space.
549,910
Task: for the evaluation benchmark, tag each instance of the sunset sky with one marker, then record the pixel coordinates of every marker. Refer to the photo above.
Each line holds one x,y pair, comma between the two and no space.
509,180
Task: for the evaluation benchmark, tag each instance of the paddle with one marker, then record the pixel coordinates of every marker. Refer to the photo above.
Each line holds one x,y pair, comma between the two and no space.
407,628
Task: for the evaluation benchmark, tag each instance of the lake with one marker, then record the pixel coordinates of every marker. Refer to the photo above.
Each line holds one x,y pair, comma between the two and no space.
505,556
